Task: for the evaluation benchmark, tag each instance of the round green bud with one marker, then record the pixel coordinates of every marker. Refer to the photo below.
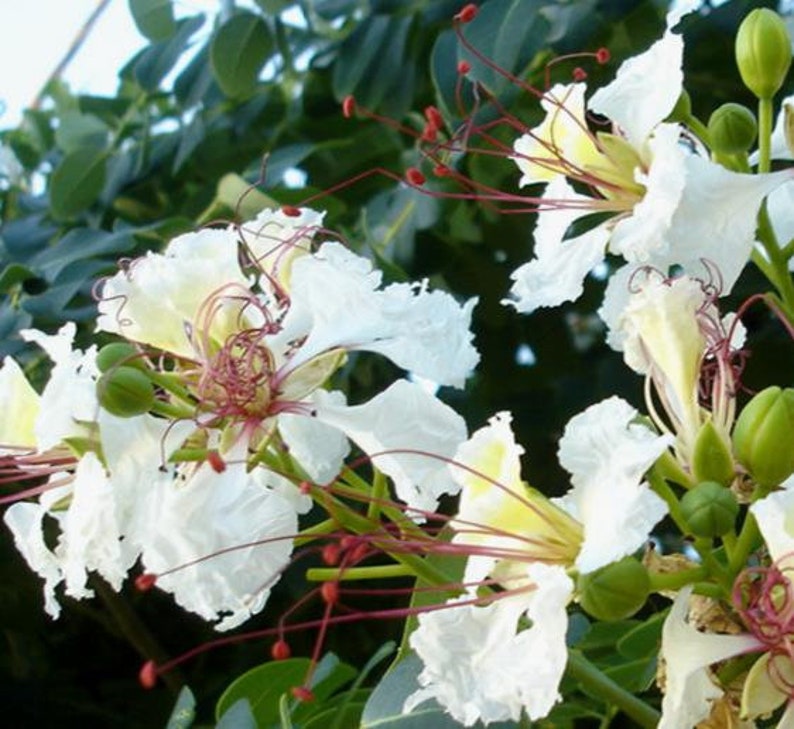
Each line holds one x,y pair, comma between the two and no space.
763,52
117,354
710,509
616,591
125,392
682,109
732,129
763,436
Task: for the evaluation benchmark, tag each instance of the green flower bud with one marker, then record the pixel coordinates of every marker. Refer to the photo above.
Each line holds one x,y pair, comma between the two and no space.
710,509
763,52
116,354
711,456
732,129
616,591
125,392
764,434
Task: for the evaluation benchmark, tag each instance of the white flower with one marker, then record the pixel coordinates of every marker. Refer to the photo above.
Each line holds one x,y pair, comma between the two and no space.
687,653
264,363
478,664
671,205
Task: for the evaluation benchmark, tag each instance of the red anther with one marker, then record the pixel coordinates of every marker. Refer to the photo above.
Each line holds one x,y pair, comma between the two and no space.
330,592
603,55
430,133
433,115
145,582
348,542
305,487
331,553
348,106
216,462
291,211
579,74
301,693
441,171
358,553
147,676
280,650
467,13
463,67
414,176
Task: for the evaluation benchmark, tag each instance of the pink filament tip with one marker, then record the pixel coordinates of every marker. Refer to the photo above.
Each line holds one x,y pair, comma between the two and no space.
148,675
348,107
280,650
467,13
145,582
414,176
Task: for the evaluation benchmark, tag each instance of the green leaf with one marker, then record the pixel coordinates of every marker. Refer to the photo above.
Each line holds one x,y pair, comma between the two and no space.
263,686
153,18
239,50
13,274
375,66
644,640
184,710
274,6
77,182
238,716
77,131
154,63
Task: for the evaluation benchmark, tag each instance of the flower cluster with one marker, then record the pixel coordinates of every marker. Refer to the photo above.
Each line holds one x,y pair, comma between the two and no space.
210,442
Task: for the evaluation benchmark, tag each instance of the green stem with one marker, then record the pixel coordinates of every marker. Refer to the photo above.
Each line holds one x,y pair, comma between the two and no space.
775,266
676,580
662,488
379,492
670,469
764,134
599,684
374,572
699,128
747,542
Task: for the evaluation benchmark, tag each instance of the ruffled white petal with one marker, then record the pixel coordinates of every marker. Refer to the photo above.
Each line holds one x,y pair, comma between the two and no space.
68,402
235,530
25,522
337,303
645,89
687,654
91,532
416,434
607,455
156,301
319,448
558,270
780,206
478,665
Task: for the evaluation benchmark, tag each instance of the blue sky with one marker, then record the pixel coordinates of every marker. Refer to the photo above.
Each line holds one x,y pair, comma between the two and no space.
35,35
